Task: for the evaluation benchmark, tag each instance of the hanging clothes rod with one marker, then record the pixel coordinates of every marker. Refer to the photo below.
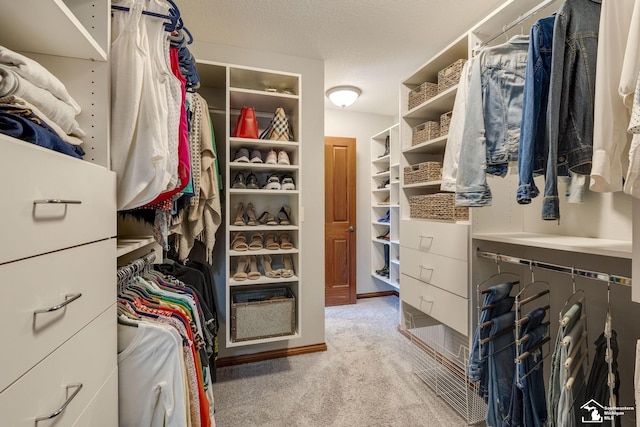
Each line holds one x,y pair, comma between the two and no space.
577,272
520,19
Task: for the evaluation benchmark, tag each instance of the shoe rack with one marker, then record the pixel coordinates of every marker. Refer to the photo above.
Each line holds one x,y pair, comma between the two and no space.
267,219
385,208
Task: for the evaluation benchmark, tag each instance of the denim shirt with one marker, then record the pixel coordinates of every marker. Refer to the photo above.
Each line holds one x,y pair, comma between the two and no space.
533,143
493,116
571,95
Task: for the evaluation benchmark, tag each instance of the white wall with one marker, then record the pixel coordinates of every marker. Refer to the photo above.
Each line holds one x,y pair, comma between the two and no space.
362,127
312,139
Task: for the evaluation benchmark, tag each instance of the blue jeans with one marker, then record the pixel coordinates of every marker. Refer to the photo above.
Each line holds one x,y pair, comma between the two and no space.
500,369
531,380
531,152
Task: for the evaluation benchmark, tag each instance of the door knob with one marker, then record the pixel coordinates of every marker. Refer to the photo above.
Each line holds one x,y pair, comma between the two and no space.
351,229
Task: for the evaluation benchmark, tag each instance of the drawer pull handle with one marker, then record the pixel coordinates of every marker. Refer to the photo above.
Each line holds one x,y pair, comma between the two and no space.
423,299
56,202
69,300
78,387
425,237
422,267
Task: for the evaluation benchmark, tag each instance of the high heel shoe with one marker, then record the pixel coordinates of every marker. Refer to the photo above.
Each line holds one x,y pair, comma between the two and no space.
283,215
240,215
267,219
254,273
241,271
386,218
251,215
270,242
384,236
285,241
287,266
268,270
257,242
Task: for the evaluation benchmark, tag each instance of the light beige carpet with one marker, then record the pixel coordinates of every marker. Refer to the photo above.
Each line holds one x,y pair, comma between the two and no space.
363,379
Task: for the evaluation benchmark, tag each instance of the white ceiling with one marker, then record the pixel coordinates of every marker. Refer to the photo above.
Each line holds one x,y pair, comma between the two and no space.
371,44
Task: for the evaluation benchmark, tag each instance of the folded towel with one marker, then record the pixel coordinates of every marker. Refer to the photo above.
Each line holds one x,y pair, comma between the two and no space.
33,71
58,111
13,100
27,127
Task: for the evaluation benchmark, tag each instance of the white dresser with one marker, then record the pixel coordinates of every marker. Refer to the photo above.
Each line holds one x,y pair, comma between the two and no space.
57,277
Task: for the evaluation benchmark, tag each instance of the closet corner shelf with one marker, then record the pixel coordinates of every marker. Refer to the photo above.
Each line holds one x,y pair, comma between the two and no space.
49,27
432,146
395,261
395,206
586,245
434,107
423,184
380,223
381,174
262,340
381,190
395,165
262,280
395,242
263,252
127,245
384,242
381,160
382,279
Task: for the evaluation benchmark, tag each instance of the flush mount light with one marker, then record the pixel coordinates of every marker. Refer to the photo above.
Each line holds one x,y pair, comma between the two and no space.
343,96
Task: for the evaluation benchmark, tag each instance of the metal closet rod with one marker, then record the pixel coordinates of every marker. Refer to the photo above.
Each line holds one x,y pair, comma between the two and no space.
577,272
520,19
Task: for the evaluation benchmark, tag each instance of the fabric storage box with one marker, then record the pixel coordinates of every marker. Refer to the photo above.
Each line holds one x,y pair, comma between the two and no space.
423,172
263,313
425,132
422,93
437,206
450,76
445,121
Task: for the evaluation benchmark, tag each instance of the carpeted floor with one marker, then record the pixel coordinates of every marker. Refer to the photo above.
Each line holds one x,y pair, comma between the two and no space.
363,379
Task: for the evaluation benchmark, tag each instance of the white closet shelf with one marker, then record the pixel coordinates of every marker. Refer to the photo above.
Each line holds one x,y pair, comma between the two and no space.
423,184
432,146
381,190
262,340
264,252
261,144
262,101
380,223
250,228
381,160
434,107
384,174
384,242
261,191
383,279
586,245
261,281
395,261
395,165
395,242
262,167
47,27
131,243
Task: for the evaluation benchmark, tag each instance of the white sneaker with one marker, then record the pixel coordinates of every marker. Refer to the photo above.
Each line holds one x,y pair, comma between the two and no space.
287,183
272,158
283,158
273,183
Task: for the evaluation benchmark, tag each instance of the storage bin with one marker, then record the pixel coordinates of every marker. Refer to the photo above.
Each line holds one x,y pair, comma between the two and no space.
437,206
450,76
422,93
263,313
445,121
425,132
423,172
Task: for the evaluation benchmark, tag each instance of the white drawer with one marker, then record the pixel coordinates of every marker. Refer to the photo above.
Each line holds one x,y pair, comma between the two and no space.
33,173
446,273
443,306
41,282
447,239
88,358
103,409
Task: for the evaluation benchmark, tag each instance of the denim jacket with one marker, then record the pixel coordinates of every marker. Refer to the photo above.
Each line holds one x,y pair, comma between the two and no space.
571,96
493,116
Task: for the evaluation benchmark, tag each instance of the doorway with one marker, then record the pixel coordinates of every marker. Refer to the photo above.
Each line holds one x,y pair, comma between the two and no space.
340,220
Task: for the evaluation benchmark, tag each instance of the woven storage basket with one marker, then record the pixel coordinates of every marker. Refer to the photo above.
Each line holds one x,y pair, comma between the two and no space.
445,121
425,132
423,172
420,94
450,76
437,206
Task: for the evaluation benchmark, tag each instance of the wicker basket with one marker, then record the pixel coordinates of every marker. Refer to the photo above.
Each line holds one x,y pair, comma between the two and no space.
445,121
422,93
450,76
437,206
423,172
425,132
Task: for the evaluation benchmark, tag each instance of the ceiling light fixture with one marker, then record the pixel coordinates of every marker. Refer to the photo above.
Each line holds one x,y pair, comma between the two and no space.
343,96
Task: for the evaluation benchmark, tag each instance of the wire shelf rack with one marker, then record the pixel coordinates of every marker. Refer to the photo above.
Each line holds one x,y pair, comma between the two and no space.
440,357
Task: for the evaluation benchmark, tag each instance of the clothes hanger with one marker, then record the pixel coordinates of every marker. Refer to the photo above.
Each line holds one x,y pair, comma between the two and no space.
608,328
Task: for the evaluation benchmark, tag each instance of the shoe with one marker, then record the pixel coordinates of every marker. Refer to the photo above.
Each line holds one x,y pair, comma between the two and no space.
283,158
242,156
266,266
251,215
239,242
285,241
283,215
252,181
384,184
256,156
385,219
254,273
273,183
240,215
287,183
385,201
384,236
267,219
257,242
287,266
386,147
272,158
239,181
241,269
270,242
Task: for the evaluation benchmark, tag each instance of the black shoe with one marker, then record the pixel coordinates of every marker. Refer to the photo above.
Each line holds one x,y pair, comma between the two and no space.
252,181
384,236
239,181
384,184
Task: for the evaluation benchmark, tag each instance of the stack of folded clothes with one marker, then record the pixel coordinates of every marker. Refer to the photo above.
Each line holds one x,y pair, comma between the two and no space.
36,107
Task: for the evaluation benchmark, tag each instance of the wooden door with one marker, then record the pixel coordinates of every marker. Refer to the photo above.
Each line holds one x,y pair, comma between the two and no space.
340,220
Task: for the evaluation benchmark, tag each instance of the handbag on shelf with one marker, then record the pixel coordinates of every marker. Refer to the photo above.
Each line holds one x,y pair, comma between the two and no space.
246,124
279,129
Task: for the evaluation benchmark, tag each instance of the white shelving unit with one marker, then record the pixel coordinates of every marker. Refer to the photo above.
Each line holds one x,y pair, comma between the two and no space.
384,173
